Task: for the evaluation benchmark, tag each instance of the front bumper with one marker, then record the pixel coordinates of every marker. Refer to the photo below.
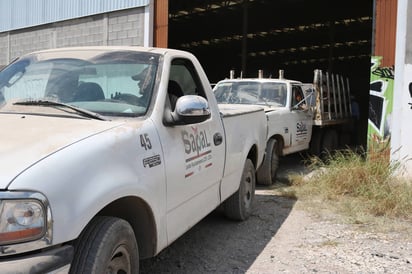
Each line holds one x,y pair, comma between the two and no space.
55,261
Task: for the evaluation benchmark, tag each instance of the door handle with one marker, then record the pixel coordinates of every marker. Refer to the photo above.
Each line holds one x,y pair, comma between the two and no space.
217,139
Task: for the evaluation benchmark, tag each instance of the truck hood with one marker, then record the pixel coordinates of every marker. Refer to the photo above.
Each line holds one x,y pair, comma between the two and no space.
225,108
270,109
236,109
27,139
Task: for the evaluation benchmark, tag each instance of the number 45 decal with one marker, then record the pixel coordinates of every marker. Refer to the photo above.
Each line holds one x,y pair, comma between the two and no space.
145,141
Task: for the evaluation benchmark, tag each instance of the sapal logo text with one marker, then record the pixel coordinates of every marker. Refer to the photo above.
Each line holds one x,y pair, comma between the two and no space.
195,141
301,128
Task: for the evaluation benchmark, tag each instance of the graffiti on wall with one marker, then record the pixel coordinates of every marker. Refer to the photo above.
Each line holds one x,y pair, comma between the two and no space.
410,93
380,101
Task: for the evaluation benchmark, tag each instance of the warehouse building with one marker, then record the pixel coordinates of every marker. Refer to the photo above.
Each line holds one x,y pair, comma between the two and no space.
364,40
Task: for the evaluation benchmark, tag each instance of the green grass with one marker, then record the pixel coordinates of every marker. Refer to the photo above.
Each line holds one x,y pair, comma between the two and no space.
361,183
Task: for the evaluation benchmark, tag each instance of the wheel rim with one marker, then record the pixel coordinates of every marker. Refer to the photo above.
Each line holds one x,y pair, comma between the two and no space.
120,261
248,184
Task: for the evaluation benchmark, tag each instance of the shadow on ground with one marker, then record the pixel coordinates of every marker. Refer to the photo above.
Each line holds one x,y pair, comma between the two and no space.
218,245
292,164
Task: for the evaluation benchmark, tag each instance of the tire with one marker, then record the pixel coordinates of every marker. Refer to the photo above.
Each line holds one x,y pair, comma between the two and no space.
330,143
238,207
108,245
266,174
315,142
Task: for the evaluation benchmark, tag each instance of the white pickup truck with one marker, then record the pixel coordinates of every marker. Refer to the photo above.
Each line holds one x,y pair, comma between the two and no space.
299,116
109,154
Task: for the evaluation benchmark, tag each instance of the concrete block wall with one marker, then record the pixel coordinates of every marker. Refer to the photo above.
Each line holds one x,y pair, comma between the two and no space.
22,42
4,47
125,27
87,31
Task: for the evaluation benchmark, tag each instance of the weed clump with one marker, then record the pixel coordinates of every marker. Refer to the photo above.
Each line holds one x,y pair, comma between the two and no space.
367,180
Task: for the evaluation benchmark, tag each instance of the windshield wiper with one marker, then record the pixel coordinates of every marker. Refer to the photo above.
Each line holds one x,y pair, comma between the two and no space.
83,112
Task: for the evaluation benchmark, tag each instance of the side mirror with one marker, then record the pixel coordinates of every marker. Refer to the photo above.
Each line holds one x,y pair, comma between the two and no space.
190,109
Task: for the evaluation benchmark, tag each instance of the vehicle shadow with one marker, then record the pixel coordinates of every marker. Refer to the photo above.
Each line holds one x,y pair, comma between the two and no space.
218,245
294,164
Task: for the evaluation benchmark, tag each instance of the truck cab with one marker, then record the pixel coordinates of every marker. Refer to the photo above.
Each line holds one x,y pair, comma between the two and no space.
109,154
289,119
300,116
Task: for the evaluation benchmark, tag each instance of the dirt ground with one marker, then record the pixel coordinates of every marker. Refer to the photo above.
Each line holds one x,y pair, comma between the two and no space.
282,236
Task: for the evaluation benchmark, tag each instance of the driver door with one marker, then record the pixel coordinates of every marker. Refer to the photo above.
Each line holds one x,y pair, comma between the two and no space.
302,120
194,161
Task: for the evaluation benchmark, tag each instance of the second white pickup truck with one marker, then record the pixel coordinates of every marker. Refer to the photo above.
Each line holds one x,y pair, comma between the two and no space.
109,154
299,116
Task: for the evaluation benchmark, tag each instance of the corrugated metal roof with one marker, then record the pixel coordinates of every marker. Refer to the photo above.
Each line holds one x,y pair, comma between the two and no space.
18,14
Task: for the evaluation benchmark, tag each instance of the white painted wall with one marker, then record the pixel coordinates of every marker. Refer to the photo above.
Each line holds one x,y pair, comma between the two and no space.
148,24
401,143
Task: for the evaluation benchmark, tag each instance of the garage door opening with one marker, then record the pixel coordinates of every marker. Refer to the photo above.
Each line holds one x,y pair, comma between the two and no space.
297,36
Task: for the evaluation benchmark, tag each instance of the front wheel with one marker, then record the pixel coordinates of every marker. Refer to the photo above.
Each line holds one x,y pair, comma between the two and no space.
266,174
239,206
108,245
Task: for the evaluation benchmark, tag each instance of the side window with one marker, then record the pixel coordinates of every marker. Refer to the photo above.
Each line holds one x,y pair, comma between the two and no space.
183,73
183,80
297,97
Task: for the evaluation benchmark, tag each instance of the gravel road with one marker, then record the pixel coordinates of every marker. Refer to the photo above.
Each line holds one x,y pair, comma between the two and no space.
282,236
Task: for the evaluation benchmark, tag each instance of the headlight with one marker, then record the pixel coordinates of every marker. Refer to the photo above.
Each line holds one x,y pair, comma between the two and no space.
21,221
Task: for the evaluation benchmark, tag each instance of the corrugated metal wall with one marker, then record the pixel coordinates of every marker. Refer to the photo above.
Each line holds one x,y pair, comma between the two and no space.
385,31
18,14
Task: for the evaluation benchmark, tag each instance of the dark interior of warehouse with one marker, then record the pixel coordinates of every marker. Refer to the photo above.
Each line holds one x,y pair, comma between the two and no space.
297,36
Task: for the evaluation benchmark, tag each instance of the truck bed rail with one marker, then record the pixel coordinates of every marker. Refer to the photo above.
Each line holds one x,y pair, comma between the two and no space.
331,104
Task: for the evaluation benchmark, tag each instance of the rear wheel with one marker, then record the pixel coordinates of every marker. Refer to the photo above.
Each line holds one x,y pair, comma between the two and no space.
330,142
239,206
108,245
266,174
316,142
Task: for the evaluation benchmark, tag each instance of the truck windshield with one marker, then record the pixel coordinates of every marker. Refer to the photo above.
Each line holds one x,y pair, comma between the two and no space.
251,92
109,83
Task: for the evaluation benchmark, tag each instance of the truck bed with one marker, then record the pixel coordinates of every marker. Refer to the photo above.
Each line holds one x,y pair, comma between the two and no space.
242,124
331,100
